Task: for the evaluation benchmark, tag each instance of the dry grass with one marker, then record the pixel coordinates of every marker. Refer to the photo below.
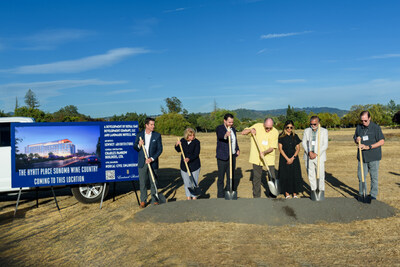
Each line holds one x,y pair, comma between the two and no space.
84,235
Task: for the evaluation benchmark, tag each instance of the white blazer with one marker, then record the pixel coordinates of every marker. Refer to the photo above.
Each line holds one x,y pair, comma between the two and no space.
307,138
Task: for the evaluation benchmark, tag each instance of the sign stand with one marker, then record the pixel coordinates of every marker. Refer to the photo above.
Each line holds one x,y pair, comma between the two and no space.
19,195
37,197
102,195
134,188
55,199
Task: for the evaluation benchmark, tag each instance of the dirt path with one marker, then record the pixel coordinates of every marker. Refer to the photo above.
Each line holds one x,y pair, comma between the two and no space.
275,212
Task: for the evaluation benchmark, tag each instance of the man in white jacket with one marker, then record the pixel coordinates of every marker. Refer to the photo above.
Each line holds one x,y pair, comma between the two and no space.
311,155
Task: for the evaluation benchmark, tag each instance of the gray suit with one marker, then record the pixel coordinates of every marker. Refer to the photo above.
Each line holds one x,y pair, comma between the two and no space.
311,164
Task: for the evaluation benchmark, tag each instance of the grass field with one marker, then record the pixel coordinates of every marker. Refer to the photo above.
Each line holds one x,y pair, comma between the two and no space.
84,235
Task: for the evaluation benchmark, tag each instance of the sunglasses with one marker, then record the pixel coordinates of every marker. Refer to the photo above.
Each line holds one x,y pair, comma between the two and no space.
289,127
364,120
313,124
268,128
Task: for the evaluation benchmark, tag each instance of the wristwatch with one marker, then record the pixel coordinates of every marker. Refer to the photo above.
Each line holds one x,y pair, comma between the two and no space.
370,146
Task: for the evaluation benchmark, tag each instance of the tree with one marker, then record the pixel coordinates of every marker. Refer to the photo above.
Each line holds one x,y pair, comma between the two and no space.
16,104
37,114
174,105
171,123
396,117
31,100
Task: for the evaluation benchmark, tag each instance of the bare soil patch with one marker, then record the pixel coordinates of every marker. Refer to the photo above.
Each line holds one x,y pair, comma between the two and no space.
84,235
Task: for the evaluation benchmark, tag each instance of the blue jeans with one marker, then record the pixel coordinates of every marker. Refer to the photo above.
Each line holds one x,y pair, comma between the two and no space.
371,167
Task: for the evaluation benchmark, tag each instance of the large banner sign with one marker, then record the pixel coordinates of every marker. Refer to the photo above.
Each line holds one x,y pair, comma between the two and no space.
50,154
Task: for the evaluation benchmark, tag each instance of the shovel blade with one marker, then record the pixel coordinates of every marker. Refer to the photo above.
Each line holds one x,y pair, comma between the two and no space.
195,191
230,195
320,195
314,195
160,198
364,197
273,188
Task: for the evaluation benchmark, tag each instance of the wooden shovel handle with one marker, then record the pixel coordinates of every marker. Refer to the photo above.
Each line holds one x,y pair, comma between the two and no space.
183,156
318,147
361,161
259,150
146,157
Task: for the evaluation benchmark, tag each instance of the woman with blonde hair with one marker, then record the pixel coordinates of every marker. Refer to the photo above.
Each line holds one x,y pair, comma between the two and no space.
289,165
191,149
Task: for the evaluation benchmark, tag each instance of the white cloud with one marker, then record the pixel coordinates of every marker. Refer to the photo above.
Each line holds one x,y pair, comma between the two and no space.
291,81
44,90
123,91
49,39
385,56
176,10
280,35
79,65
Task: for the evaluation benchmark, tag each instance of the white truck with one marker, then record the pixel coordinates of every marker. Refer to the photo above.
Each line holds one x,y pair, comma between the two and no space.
88,193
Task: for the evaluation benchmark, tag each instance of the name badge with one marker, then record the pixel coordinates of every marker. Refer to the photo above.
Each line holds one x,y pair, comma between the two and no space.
365,138
313,143
265,142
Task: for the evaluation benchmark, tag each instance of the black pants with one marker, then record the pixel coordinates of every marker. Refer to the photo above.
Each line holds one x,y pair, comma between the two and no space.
223,168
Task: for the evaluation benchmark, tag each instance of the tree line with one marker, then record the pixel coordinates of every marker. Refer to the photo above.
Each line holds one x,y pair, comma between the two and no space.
174,118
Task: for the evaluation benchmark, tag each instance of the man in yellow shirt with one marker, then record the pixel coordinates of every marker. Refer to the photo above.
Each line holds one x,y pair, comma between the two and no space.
267,138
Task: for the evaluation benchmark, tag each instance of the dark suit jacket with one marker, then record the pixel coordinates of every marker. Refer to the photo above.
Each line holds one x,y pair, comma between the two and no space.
223,144
192,151
155,149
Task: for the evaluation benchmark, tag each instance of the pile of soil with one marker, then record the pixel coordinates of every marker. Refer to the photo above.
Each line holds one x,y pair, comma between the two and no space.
266,211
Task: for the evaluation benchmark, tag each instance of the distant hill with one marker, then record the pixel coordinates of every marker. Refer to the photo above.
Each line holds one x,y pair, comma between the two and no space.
260,114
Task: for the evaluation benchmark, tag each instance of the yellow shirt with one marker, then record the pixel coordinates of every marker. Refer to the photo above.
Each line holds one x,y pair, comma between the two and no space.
265,141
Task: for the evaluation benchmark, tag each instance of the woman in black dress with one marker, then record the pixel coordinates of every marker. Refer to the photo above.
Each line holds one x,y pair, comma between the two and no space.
289,164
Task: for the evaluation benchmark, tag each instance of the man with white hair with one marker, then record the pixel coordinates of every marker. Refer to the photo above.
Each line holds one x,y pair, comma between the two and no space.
314,153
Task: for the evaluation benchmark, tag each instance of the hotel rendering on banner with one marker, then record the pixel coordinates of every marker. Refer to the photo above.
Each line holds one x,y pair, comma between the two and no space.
50,154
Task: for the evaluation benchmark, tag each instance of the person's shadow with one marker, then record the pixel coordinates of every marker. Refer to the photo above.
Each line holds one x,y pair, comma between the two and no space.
339,186
169,180
206,182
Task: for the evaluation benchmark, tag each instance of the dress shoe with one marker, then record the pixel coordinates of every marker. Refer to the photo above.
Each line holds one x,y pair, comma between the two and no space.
142,205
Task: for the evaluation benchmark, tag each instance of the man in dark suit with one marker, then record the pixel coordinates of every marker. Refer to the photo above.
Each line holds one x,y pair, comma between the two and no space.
151,141
223,132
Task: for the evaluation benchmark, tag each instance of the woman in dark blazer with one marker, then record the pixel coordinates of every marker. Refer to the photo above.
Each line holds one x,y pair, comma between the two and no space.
191,149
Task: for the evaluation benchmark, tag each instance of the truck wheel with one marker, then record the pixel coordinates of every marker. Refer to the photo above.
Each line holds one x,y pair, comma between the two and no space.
89,193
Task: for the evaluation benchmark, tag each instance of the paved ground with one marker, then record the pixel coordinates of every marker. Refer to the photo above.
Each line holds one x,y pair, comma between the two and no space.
266,211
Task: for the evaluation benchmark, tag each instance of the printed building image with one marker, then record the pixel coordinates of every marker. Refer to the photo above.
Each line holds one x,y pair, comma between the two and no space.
62,148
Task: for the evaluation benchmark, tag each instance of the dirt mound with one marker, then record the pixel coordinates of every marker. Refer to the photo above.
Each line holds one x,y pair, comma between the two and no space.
266,211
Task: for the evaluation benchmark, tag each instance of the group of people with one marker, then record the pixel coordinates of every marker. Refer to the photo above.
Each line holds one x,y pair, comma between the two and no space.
265,141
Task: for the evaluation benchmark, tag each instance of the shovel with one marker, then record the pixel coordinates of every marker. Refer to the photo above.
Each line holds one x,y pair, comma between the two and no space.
194,189
230,195
363,198
273,187
159,197
318,195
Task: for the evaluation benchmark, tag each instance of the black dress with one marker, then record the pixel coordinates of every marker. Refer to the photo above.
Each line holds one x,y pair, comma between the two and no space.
290,175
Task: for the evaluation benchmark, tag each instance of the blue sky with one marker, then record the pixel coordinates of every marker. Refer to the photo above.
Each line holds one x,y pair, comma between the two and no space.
113,57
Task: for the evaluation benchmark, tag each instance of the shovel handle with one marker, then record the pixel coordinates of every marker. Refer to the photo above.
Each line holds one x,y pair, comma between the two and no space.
259,150
148,164
230,160
318,147
361,161
183,156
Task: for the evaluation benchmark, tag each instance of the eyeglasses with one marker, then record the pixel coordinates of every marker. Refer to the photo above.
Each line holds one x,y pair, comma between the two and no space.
364,120
289,127
268,128
313,124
